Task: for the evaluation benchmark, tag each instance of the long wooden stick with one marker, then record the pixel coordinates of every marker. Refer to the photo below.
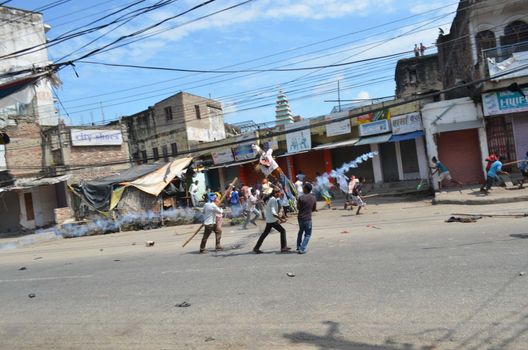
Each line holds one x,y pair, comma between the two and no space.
231,185
521,215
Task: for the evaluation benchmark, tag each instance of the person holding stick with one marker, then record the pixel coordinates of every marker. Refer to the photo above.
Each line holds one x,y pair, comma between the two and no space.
211,211
443,173
495,169
524,170
273,220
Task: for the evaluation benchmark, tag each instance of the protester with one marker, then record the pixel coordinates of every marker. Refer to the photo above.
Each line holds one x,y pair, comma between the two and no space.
273,220
422,49
443,173
524,169
306,205
490,160
416,50
252,209
357,194
235,203
300,176
323,188
495,169
211,211
285,204
351,184
299,187
193,190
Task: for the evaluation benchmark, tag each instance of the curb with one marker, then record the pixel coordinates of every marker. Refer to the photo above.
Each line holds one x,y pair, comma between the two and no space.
481,201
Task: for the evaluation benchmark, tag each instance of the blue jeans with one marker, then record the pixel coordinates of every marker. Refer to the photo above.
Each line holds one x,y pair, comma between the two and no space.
306,228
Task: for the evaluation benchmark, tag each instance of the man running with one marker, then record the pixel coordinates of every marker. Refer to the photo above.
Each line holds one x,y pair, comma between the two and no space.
273,220
495,169
252,209
443,173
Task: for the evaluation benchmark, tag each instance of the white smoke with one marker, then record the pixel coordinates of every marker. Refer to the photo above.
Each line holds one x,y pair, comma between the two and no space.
322,183
37,237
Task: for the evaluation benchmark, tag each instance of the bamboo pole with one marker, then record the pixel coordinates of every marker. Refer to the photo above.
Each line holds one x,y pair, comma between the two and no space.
231,185
520,215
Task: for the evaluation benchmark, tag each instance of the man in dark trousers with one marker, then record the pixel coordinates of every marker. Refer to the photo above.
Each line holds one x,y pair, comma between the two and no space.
273,220
495,169
306,204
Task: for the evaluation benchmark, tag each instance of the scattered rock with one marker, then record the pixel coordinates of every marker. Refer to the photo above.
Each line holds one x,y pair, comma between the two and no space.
31,295
372,226
149,243
290,274
464,220
101,249
209,339
344,232
522,273
184,304
22,268
117,260
133,243
38,258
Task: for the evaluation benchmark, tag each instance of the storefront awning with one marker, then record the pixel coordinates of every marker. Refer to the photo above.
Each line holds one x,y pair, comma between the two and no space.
227,165
339,144
292,153
374,139
473,124
406,137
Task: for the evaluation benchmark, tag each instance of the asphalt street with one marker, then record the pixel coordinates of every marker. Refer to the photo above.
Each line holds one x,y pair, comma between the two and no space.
396,277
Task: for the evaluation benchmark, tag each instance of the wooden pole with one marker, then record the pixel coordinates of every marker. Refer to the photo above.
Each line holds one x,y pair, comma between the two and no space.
231,185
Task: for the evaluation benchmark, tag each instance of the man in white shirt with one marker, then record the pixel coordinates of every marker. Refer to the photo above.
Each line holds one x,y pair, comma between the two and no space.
251,207
211,210
273,221
193,190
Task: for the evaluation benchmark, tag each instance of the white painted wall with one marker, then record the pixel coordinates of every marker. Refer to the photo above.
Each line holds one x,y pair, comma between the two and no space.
459,111
376,164
20,32
44,203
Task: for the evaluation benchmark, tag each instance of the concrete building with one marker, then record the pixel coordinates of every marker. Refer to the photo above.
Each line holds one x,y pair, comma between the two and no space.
174,126
85,152
417,76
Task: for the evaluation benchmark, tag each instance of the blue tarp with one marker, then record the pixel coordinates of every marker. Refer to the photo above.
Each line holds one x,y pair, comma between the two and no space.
405,137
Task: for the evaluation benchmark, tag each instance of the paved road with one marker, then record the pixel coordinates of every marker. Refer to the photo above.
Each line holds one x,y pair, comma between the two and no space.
397,277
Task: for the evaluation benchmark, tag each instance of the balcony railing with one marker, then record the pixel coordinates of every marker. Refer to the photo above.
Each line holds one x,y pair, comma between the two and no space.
502,53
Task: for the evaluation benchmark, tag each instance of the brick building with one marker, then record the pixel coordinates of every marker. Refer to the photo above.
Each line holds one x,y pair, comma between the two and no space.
174,125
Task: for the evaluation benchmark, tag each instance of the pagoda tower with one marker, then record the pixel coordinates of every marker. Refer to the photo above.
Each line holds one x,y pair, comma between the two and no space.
283,113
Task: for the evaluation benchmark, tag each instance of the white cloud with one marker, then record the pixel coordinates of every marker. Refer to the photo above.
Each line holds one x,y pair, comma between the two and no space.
438,5
363,95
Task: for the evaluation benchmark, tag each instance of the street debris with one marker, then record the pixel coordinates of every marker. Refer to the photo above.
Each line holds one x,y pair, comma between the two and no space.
464,220
31,295
290,274
101,249
117,260
38,258
522,273
149,243
184,304
518,215
208,339
372,226
344,232
22,268
133,243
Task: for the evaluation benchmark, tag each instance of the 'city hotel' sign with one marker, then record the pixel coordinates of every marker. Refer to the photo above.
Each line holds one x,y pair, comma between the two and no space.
81,137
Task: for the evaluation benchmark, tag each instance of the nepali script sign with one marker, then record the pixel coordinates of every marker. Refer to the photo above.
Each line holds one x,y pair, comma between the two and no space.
95,137
504,102
403,124
337,128
298,141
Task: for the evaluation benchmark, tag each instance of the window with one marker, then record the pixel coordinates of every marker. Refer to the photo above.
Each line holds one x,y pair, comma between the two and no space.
174,149
412,76
155,153
144,156
165,152
168,113
135,158
485,40
515,32
197,110
28,201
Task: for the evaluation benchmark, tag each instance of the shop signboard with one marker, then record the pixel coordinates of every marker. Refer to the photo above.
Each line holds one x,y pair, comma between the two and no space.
94,137
301,140
270,144
374,128
337,128
244,151
403,124
223,156
504,102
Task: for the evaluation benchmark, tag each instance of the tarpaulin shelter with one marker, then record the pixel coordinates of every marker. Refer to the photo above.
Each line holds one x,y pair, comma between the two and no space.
104,194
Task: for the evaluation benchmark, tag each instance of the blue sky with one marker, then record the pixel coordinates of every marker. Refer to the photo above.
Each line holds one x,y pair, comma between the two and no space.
261,34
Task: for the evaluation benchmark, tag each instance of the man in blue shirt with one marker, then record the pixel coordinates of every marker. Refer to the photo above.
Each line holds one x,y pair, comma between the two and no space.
443,173
524,169
495,169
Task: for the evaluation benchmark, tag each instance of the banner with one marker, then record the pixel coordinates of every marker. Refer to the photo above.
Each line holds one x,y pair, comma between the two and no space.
301,140
403,124
223,156
374,128
337,128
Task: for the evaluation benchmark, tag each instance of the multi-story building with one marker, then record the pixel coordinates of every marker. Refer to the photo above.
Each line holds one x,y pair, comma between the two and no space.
174,126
